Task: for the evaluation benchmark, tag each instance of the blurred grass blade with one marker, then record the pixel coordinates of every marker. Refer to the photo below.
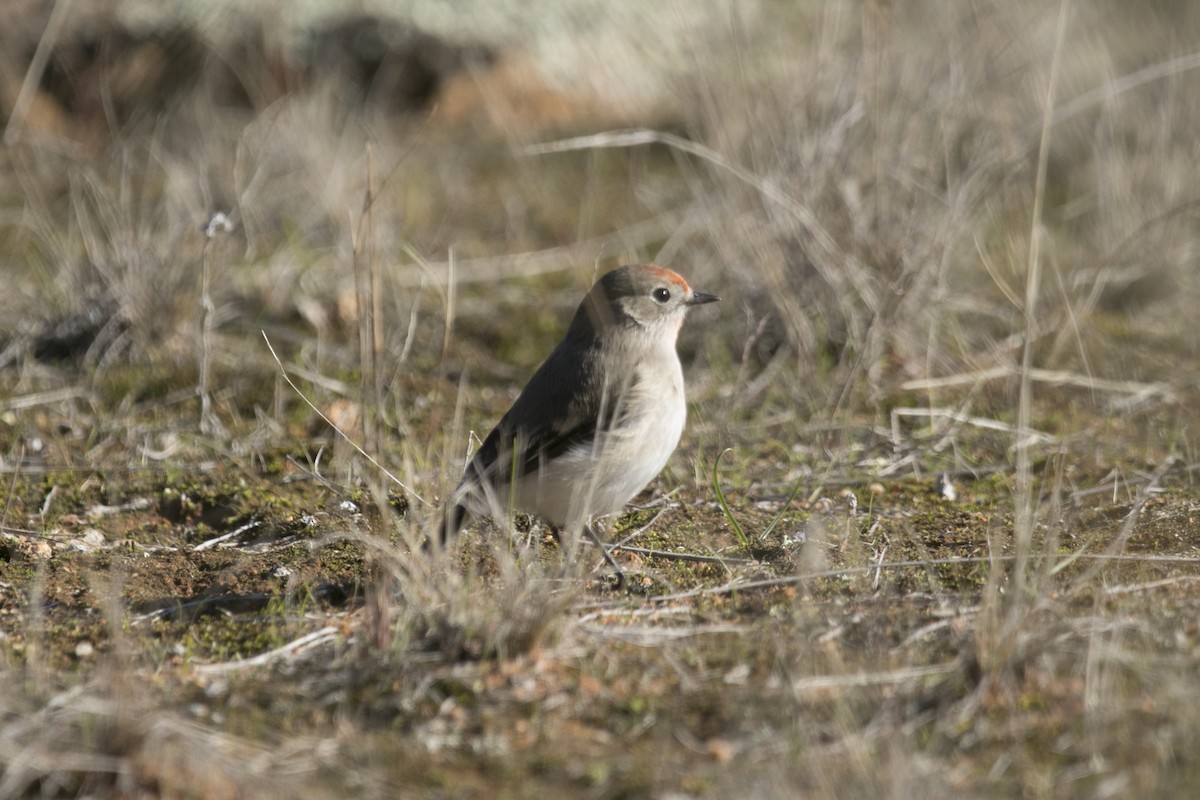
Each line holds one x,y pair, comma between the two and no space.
779,515
716,484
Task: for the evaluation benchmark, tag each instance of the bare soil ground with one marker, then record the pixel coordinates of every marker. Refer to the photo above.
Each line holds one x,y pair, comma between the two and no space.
257,610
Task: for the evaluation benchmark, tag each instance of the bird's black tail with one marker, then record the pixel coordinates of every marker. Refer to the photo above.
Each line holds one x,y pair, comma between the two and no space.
452,522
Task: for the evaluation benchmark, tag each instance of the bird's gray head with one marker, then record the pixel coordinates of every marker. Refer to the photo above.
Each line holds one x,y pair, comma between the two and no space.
642,296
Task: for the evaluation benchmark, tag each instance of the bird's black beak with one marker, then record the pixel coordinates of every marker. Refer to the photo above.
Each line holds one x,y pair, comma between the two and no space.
700,298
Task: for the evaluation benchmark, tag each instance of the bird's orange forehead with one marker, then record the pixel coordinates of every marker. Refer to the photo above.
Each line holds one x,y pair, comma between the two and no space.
670,276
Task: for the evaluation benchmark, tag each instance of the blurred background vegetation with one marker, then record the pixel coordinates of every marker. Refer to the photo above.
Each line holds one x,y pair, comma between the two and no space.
857,179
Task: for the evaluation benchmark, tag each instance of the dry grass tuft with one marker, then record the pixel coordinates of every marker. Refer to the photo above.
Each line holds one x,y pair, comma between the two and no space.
109,736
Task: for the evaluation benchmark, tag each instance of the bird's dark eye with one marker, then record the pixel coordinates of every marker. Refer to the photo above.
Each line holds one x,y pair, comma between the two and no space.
662,294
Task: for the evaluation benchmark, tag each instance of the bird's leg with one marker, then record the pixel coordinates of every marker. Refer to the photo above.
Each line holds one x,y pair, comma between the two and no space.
553,532
612,562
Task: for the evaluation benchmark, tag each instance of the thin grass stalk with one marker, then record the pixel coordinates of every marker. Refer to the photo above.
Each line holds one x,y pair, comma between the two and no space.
362,300
451,299
371,414
217,224
37,66
1024,495
724,504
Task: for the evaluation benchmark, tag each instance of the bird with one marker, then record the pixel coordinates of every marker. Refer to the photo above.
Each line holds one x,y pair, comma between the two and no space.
599,418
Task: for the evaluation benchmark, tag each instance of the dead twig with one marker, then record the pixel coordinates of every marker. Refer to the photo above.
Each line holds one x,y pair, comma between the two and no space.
1053,377
292,648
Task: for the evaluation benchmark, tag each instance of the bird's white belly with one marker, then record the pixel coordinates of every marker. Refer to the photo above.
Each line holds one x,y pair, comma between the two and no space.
601,477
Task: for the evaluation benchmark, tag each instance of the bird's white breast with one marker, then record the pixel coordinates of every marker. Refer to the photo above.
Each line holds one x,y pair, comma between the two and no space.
602,476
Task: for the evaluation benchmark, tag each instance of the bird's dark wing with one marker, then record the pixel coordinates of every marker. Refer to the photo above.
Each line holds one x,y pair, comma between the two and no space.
546,419
563,405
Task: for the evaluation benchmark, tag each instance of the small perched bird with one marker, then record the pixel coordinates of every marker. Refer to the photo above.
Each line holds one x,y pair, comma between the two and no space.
598,420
